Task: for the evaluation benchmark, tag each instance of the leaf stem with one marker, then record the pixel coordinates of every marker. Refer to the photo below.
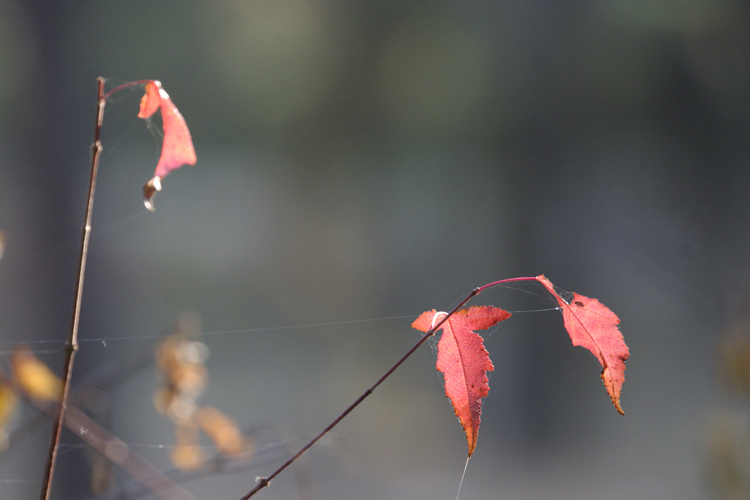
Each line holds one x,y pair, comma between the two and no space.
509,280
72,344
123,86
266,481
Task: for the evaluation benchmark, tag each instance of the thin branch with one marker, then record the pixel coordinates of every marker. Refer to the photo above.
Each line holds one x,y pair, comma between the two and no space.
266,481
72,345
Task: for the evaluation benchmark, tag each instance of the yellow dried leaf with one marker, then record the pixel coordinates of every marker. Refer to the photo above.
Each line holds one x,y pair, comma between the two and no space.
184,376
8,404
221,429
187,453
33,376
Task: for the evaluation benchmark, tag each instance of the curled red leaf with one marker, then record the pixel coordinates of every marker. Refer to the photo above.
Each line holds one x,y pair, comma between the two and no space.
592,325
177,148
464,361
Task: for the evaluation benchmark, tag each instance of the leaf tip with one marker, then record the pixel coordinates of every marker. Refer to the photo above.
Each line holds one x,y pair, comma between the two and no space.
613,390
424,321
472,447
149,190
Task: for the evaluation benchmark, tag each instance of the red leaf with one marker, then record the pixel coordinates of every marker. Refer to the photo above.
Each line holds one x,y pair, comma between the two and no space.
177,149
464,361
592,325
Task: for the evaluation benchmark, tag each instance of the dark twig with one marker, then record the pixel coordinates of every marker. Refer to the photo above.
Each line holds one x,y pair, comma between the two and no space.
266,481
72,345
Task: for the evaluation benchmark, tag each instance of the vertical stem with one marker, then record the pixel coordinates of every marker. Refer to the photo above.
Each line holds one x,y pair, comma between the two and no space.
72,344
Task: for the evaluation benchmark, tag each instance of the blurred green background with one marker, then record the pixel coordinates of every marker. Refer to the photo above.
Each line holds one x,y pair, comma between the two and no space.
367,160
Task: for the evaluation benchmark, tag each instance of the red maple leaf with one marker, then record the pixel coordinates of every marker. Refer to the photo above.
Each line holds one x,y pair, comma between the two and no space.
177,148
464,361
592,325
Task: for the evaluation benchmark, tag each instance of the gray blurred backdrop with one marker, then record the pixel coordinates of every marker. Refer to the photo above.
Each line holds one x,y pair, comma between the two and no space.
369,160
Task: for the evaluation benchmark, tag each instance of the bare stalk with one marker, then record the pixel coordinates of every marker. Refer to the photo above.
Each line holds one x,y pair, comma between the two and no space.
72,344
266,481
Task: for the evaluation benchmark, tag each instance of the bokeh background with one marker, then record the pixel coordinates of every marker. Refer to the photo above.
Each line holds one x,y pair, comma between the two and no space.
363,161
